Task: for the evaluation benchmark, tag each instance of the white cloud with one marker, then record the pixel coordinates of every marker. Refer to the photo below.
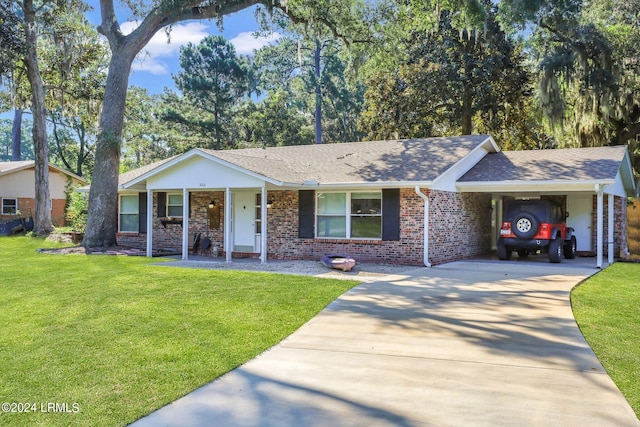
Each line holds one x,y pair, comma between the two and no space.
158,51
245,43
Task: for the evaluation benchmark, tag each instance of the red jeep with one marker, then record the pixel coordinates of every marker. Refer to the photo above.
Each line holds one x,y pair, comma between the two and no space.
530,226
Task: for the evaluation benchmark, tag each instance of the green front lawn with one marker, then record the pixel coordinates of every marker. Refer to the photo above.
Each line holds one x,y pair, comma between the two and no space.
607,308
115,338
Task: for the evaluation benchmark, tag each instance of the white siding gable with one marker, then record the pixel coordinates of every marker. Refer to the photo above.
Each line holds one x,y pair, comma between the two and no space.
197,172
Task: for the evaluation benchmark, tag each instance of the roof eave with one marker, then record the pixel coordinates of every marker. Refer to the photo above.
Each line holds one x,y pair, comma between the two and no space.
51,166
537,185
188,155
355,184
487,145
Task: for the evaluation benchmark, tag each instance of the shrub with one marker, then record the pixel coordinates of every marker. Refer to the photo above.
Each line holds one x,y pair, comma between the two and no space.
77,211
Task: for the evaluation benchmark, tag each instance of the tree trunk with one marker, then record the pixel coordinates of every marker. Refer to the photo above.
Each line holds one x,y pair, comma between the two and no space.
316,66
42,217
466,111
102,216
102,219
16,136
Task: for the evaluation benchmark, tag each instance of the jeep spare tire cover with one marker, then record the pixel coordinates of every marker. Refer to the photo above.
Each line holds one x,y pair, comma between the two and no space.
525,225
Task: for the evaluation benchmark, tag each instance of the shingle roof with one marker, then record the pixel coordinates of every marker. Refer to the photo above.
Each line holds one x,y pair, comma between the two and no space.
571,164
357,162
11,166
135,173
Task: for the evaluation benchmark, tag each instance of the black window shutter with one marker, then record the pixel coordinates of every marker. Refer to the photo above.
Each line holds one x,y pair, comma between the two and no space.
142,212
190,204
306,208
162,204
391,214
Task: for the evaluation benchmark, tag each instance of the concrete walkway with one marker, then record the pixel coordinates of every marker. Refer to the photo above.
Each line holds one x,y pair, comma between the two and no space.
480,343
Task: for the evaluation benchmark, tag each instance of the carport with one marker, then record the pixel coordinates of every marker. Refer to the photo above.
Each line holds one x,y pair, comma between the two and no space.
577,178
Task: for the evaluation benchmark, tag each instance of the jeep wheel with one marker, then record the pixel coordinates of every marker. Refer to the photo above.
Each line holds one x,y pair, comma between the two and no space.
523,253
555,250
570,247
525,225
504,251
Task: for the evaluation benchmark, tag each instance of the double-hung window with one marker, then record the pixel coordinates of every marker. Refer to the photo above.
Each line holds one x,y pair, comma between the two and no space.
174,205
355,215
366,215
9,206
129,214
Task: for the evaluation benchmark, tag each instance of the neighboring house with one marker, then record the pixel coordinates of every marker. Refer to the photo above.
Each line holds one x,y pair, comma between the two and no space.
368,199
17,190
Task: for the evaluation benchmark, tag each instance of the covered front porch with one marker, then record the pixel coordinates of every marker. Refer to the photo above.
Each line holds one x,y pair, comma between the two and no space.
227,222
199,193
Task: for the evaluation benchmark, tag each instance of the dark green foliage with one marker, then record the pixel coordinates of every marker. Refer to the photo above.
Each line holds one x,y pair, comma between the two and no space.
146,136
288,70
11,36
77,211
26,146
272,122
214,78
451,83
589,71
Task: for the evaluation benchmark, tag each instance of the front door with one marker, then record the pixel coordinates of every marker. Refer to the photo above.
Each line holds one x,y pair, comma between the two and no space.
244,221
580,208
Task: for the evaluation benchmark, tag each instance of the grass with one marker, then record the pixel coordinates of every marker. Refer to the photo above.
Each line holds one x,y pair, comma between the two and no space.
607,308
119,337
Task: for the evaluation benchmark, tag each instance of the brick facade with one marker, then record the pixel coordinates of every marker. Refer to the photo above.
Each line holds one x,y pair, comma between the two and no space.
169,236
460,228
26,206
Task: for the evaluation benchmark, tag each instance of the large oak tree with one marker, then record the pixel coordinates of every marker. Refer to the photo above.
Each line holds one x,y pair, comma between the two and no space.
102,216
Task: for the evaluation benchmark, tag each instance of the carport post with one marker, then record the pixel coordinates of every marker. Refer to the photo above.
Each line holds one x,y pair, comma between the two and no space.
599,226
610,217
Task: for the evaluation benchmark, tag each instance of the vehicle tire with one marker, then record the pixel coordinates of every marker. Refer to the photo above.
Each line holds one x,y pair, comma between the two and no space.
504,251
525,225
523,253
570,247
555,250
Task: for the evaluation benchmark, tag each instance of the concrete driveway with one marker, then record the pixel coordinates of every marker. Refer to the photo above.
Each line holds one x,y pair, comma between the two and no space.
477,343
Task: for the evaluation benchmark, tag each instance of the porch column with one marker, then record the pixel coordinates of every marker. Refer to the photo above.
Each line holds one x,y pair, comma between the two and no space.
599,226
228,245
185,224
263,227
610,216
149,223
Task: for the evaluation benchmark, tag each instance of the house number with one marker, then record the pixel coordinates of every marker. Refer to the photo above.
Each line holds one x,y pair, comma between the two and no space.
203,184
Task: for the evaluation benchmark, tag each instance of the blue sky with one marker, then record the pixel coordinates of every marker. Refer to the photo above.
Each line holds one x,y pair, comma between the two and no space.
153,67
155,64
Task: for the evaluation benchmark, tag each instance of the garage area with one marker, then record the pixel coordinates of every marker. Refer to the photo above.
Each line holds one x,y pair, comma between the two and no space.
591,185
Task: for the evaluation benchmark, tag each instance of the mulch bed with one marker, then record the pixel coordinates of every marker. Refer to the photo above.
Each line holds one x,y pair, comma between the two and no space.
81,250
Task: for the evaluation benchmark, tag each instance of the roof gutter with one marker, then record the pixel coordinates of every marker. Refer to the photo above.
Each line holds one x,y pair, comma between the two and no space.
426,225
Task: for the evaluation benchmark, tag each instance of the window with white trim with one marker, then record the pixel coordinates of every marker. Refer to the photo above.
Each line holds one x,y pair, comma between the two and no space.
9,206
174,205
356,215
129,214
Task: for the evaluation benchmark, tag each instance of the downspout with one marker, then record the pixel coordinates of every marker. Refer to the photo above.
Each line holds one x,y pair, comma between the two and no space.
426,225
